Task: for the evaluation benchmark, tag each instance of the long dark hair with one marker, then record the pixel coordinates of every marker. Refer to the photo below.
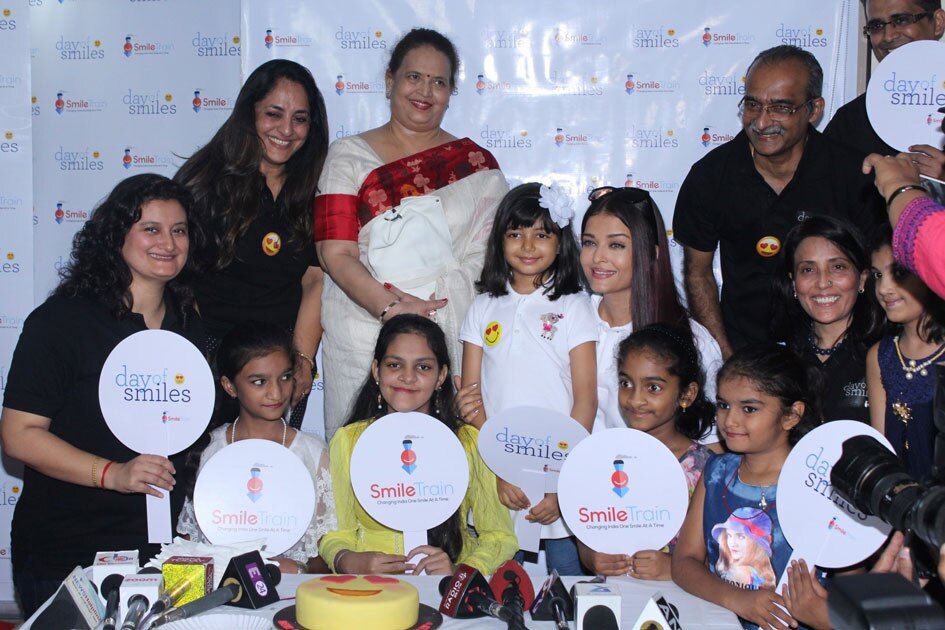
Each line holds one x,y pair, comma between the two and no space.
790,320
96,266
777,371
931,326
446,535
518,209
653,295
674,345
224,176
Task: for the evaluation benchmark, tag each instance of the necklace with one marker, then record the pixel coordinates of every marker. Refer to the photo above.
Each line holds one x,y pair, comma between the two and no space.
763,503
285,428
914,367
823,352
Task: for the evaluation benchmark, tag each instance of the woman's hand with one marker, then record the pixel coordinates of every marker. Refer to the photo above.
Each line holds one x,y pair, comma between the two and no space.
604,563
303,377
435,563
891,172
805,597
140,475
468,403
371,562
651,564
546,512
510,495
412,304
762,607
288,566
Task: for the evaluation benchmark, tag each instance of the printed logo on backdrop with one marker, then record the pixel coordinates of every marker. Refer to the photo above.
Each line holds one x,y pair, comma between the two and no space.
801,36
712,37
134,46
358,85
711,138
485,85
35,108
650,184
568,36
216,45
68,103
64,214
722,84
576,85
344,132
652,137
9,263
137,158
203,101
8,143
649,84
8,81
87,49
11,322
156,103
10,202
648,36
507,39
570,138
7,21
495,138
278,38
76,159
934,119
355,39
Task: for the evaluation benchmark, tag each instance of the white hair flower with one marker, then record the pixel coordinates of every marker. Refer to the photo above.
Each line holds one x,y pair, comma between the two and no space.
558,203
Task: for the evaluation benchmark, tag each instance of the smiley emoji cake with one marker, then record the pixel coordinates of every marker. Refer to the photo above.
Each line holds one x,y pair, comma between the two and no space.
378,602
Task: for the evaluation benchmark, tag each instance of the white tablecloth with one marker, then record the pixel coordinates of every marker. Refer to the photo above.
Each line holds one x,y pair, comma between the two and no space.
693,612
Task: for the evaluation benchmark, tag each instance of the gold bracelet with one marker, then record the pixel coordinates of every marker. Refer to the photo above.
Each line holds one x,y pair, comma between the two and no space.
95,462
387,309
307,358
337,560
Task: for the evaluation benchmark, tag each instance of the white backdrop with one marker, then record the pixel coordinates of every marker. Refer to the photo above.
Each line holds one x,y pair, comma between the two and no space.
583,94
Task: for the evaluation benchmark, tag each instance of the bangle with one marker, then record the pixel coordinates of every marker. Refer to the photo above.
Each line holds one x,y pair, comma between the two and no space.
105,470
903,189
387,309
337,560
307,358
301,566
95,462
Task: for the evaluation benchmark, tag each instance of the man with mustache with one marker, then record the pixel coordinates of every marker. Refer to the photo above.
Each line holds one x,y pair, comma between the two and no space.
745,195
889,25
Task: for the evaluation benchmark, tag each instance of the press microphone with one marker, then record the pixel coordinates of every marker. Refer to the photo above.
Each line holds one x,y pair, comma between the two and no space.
225,594
553,603
170,596
466,594
137,607
110,589
512,586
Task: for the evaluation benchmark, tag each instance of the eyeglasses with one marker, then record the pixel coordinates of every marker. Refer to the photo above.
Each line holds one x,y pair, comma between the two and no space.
899,20
634,195
776,111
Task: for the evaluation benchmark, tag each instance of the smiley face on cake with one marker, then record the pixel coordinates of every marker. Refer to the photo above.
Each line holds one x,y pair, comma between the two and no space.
349,601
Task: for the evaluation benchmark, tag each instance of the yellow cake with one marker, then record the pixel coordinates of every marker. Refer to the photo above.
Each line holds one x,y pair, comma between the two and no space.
378,602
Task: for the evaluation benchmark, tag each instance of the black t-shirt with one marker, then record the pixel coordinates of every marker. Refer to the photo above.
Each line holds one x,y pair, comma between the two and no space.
725,202
851,126
264,281
55,374
844,374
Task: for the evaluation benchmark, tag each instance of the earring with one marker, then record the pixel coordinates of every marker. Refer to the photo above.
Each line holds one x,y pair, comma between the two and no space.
380,400
795,295
862,290
433,409
683,405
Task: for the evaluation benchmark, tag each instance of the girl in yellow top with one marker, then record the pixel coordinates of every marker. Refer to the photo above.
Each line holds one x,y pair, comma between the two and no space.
411,372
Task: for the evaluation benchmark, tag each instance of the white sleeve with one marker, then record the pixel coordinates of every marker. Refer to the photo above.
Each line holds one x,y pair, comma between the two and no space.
471,330
580,320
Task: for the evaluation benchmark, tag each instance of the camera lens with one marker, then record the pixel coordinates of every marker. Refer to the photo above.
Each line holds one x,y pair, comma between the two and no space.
873,478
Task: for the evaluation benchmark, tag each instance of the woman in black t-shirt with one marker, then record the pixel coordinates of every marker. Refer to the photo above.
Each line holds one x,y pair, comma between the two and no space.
84,490
827,317
253,184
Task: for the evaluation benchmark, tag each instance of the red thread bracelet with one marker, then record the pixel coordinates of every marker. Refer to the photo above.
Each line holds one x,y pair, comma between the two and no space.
104,470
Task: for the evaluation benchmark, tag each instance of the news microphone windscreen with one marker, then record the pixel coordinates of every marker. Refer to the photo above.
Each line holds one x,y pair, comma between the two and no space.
553,590
600,618
111,584
457,588
508,573
255,578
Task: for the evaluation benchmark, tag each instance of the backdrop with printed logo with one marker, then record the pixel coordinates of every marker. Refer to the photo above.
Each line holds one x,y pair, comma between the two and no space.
580,94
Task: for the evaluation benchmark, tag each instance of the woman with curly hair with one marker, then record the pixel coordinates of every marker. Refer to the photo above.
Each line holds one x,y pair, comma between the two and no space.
83,489
253,184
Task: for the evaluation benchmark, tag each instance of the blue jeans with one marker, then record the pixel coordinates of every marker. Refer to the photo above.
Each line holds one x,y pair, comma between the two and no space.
560,554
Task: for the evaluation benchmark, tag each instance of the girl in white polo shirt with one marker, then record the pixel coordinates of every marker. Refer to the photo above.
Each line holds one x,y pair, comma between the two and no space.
530,337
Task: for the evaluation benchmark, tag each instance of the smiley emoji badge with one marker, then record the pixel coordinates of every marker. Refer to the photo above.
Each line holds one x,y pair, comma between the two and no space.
179,378
768,246
493,333
271,244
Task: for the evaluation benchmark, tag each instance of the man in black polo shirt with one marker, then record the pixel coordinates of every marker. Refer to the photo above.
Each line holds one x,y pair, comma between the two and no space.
745,195
889,25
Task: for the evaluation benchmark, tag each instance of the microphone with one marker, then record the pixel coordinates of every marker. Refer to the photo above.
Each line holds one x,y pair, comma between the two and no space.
170,596
256,579
225,594
110,589
513,587
466,594
137,606
553,603
600,618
